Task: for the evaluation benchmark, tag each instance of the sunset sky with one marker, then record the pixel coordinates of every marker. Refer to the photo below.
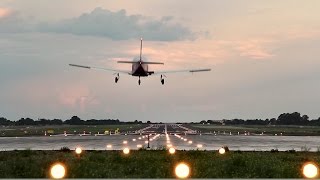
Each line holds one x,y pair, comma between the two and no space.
264,56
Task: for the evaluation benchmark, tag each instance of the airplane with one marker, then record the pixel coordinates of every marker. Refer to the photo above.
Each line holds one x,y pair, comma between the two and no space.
140,68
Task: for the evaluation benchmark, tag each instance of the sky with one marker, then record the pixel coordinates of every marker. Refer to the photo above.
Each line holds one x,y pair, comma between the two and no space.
264,57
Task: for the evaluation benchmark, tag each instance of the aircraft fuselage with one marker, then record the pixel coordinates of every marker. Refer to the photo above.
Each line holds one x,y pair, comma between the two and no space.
140,69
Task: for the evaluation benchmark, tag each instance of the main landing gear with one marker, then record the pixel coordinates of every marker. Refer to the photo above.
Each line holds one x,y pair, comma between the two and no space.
162,79
116,79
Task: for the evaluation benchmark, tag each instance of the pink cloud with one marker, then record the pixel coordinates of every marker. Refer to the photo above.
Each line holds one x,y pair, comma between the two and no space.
254,49
4,12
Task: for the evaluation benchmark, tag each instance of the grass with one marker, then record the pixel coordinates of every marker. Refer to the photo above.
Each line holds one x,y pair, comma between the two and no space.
14,131
270,130
155,164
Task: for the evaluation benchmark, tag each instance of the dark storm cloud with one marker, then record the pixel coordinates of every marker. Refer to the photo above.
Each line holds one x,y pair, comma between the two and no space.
120,26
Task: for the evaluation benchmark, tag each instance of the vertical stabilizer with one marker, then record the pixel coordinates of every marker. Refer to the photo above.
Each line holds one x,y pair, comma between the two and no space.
141,51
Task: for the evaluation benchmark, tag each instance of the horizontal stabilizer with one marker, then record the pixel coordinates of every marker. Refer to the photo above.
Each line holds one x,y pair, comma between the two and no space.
152,63
80,66
129,62
199,70
142,62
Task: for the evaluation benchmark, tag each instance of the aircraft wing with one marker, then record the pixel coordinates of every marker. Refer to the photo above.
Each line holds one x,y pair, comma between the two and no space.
106,69
180,71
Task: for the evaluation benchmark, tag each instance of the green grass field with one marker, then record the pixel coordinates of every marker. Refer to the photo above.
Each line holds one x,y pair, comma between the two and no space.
270,130
155,164
13,131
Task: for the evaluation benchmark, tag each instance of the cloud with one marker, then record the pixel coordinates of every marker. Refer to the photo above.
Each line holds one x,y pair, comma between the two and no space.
13,22
120,26
4,12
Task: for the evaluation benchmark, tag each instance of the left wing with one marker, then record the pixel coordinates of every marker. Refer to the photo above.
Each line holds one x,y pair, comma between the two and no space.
106,69
180,71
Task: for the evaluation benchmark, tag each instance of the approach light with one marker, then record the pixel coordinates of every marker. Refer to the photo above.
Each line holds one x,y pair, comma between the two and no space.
190,142
139,146
109,146
125,142
185,139
172,150
146,142
169,145
199,146
78,150
126,151
133,140
58,171
310,170
182,170
222,151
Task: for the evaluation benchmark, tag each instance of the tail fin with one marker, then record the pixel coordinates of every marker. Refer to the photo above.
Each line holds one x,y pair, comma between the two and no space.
141,50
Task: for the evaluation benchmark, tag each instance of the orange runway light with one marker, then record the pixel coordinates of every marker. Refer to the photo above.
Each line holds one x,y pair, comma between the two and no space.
310,170
78,150
222,151
58,171
172,150
182,170
126,151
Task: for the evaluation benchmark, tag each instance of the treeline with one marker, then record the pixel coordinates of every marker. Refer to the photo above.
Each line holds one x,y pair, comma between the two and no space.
75,120
284,119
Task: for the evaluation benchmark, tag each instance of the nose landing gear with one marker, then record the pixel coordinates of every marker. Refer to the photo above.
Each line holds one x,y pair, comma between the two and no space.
139,81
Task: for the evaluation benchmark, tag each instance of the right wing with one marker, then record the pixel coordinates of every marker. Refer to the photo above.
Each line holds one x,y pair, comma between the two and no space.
106,69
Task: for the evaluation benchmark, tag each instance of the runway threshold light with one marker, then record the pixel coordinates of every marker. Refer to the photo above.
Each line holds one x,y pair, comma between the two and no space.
58,171
78,150
126,151
222,151
310,170
172,150
182,170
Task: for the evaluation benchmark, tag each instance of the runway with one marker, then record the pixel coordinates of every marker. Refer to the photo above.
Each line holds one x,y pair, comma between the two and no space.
208,142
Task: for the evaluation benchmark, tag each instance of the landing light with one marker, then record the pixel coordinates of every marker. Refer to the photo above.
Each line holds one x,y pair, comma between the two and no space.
182,170
310,170
58,171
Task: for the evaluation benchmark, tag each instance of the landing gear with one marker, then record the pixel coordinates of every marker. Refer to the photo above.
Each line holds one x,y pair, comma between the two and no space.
116,79
162,79
139,81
